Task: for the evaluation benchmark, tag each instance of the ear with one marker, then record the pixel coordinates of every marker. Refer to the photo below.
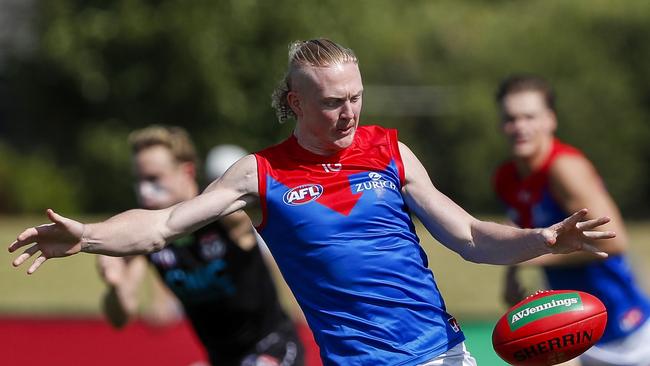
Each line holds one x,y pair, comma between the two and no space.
189,169
294,101
552,120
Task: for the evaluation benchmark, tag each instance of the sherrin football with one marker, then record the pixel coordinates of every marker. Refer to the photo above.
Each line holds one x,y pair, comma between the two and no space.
549,327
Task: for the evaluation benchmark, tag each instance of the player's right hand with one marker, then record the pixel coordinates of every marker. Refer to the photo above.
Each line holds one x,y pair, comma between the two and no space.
61,238
111,269
513,291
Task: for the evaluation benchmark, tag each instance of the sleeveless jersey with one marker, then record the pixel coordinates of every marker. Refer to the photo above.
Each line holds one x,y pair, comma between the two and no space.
530,204
227,292
343,238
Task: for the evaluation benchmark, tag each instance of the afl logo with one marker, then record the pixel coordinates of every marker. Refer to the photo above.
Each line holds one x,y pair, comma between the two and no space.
302,194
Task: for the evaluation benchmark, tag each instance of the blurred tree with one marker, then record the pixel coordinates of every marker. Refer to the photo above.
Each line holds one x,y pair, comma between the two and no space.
31,183
100,69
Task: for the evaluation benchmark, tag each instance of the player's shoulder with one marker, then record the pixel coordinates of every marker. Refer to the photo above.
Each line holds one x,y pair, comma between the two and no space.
241,176
570,164
566,158
244,165
571,169
562,149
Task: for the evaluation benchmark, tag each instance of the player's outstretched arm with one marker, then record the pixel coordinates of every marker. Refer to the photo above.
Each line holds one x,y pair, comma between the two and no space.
140,231
488,242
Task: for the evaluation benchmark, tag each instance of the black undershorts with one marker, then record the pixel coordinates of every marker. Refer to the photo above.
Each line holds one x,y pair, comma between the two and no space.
279,348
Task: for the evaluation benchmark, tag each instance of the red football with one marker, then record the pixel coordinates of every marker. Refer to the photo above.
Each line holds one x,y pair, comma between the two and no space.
549,327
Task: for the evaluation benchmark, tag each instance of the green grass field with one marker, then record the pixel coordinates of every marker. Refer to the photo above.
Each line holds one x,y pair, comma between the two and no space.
472,292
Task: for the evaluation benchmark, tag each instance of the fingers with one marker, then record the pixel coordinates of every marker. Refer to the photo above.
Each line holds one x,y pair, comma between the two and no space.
37,263
574,219
53,216
25,255
58,219
597,235
25,238
590,224
15,245
29,236
578,215
592,249
73,227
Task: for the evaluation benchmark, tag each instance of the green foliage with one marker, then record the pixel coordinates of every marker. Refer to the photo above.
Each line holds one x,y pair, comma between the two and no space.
104,159
103,68
32,184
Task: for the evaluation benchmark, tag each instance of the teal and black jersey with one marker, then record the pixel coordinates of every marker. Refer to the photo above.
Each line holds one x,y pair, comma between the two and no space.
227,292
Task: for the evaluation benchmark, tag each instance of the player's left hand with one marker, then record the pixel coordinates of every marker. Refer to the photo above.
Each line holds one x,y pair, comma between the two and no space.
60,238
577,234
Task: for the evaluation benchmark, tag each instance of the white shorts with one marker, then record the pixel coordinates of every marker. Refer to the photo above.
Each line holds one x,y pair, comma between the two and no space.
456,356
633,350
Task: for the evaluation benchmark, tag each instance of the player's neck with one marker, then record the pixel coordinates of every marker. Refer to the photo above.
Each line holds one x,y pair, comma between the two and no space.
527,165
191,191
313,144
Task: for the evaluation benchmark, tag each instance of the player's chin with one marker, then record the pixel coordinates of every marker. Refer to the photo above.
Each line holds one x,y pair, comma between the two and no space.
522,150
344,140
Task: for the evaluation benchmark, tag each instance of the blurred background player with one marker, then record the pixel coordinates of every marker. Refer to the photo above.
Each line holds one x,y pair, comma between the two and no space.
218,273
546,180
